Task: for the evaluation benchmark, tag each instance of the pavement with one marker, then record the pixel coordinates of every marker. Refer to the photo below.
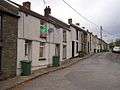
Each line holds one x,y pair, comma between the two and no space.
98,72
20,80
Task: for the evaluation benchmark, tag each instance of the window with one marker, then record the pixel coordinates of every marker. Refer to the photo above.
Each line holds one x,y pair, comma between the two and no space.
43,31
76,47
57,50
26,47
41,49
64,51
64,36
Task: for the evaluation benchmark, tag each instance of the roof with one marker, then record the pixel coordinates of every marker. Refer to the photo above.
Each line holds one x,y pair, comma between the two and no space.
9,6
49,18
57,21
78,28
4,8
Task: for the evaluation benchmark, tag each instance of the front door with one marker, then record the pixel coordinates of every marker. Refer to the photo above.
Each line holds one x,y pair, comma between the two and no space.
73,45
88,47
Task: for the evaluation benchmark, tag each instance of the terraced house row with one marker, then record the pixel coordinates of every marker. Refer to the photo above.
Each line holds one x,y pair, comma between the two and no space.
27,35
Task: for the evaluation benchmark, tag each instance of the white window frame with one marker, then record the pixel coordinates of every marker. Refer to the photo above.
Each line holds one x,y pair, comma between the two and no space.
64,36
42,45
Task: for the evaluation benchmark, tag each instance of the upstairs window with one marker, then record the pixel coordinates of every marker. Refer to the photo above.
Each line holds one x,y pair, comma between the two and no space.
43,31
64,36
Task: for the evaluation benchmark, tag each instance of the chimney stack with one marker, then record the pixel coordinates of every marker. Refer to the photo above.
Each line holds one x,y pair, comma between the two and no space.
47,11
78,24
83,27
70,21
27,5
87,30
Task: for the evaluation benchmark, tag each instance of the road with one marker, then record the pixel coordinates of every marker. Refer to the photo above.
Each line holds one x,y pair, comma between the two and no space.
99,72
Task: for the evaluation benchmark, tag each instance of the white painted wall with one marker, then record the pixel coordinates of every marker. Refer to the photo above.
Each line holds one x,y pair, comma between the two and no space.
29,28
69,44
73,36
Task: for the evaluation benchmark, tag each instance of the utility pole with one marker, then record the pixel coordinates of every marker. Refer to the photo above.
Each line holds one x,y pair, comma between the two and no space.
101,33
44,2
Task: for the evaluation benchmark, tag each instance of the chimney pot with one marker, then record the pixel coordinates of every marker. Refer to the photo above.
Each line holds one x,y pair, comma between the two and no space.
47,11
78,24
27,5
70,21
83,27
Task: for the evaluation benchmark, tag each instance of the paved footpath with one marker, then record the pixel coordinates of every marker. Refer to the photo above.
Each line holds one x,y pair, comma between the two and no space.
99,72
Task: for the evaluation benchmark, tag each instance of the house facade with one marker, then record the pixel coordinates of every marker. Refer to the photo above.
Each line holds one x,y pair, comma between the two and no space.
79,39
40,38
89,41
75,38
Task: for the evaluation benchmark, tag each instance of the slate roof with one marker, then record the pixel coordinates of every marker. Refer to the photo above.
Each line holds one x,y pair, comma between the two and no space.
7,10
55,20
78,28
49,18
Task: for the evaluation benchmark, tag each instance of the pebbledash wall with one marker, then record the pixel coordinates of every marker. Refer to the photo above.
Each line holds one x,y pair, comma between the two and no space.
29,29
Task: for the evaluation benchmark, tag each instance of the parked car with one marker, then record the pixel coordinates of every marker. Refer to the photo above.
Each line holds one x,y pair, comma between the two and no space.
116,49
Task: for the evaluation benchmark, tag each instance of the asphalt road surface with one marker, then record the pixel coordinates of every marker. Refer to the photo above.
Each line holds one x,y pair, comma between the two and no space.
99,72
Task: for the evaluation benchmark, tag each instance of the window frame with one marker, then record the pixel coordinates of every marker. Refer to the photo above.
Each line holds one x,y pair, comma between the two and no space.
41,45
64,36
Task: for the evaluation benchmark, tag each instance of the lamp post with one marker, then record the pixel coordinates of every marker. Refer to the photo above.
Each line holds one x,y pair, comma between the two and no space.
101,32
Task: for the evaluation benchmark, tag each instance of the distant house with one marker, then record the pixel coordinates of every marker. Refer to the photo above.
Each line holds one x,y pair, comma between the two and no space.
40,38
79,39
89,41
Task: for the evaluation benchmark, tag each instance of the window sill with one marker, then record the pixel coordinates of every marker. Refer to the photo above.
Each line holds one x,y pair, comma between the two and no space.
64,41
42,59
64,58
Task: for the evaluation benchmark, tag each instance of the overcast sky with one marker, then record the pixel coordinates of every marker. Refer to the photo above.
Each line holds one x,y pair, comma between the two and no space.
101,12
